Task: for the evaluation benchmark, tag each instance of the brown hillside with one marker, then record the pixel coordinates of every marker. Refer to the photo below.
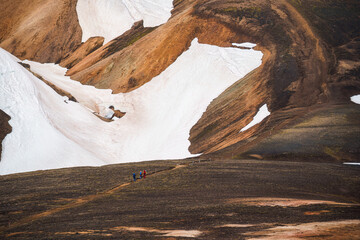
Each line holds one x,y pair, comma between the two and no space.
39,30
304,70
81,52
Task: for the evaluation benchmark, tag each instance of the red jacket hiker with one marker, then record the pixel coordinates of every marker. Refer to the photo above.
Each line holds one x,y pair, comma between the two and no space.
144,173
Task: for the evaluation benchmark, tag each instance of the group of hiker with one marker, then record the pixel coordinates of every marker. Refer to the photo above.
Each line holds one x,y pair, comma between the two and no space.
142,175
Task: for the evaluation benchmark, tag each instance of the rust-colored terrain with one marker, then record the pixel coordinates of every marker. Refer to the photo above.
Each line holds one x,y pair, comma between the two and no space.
39,30
72,58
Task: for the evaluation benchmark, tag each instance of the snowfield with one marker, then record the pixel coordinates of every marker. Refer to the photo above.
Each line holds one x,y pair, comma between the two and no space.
260,115
111,18
50,133
36,142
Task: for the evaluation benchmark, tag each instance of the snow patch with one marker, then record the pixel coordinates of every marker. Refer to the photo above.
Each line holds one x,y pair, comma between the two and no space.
159,115
261,115
352,163
246,44
355,99
111,18
35,141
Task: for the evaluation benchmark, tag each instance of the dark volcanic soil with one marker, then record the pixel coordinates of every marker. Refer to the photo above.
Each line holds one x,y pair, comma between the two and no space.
228,199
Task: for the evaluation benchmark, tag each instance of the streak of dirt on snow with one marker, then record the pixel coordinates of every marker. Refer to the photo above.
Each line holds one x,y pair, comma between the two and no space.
282,202
111,18
346,229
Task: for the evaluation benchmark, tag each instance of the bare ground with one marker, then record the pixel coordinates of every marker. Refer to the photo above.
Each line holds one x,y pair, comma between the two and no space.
227,199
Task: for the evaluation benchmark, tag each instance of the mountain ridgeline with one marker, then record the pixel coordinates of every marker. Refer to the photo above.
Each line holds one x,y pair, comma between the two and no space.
310,68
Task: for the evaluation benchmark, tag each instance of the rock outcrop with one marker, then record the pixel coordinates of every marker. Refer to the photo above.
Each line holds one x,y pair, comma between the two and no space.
5,127
81,52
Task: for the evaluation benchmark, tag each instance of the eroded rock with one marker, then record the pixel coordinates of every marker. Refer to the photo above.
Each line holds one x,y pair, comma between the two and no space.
5,127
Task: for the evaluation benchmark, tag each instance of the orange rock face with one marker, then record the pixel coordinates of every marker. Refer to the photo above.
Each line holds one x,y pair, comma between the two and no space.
39,30
82,51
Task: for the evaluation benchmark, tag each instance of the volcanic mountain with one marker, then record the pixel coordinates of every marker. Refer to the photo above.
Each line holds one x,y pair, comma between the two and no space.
191,76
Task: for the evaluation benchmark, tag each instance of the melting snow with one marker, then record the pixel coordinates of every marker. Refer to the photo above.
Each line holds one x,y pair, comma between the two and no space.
352,163
246,44
48,133
356,99
111,18
261,115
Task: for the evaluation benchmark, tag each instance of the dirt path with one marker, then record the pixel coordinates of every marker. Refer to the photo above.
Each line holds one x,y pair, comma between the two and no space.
79,201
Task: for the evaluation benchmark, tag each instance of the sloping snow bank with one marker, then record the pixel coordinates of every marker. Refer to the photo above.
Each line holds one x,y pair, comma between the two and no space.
35,142
111,18
159,115
260,115
355,99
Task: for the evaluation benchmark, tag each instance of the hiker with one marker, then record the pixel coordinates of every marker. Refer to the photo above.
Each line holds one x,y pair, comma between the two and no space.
140,175
144,173
110,113
134,176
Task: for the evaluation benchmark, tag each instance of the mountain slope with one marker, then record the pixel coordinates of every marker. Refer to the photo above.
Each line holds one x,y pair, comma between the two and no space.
156,126
301,67
296,76
39,30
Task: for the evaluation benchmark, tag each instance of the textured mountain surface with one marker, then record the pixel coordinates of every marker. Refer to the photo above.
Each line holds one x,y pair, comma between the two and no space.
309,72
39,30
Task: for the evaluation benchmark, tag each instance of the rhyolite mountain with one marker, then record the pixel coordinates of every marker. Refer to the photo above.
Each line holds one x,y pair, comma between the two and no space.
309,70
